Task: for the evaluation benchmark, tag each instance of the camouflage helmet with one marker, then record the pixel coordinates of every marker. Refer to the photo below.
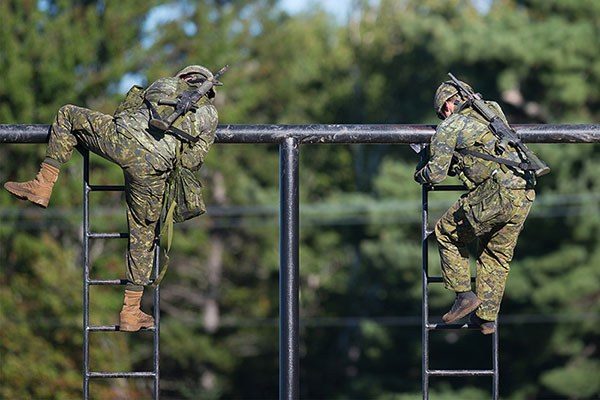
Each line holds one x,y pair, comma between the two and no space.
195,69
444,92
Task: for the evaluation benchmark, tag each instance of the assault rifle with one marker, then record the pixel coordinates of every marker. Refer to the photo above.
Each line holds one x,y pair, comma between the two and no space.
185,102
505,134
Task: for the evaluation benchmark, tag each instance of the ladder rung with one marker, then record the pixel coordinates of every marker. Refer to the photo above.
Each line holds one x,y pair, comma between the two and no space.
440,327
446,188
460,372
121,374
111,328
115,235
108,282
107,188
439,279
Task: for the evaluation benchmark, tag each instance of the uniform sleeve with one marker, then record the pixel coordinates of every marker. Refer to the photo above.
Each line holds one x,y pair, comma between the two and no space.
204,127
441,151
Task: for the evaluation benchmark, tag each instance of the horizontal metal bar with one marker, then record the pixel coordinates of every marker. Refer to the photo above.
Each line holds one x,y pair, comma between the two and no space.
311,134
440,327
111,328
460,372
439,279
117,235
121,374
446,188
106,188
107,282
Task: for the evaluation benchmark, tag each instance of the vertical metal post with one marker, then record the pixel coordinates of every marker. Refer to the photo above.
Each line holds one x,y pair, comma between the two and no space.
156,336
495,365
86,274
289,270
425,302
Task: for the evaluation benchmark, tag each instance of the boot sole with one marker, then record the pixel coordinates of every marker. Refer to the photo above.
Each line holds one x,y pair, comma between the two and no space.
133,328
447,319
38,201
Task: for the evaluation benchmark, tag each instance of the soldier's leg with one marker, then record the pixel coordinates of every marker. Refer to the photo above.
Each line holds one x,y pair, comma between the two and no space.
140,250
495,254
144,190
453,233
77,125
72,125
140,257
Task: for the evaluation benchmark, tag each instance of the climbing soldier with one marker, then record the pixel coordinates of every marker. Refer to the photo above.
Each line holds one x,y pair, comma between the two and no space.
500,181
148,157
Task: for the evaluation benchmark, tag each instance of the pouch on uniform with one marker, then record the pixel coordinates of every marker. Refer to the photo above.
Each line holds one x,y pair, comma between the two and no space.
487,206
183,200
134,99
185,188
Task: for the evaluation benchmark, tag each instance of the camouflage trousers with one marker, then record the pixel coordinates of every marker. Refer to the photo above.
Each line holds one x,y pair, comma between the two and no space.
144,185
493,217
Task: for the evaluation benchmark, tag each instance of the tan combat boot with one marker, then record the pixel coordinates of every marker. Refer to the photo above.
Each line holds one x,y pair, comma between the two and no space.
131,318
38,190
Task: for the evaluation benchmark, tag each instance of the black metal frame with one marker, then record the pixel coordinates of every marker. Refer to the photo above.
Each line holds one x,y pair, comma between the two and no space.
289,138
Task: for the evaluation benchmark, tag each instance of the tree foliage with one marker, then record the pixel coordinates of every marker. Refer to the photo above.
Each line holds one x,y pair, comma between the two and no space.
360,230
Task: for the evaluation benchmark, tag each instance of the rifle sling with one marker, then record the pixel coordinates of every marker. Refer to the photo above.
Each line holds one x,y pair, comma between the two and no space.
178,133
523,165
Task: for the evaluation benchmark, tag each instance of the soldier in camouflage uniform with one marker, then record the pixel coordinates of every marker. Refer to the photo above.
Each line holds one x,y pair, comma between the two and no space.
492,212
147,157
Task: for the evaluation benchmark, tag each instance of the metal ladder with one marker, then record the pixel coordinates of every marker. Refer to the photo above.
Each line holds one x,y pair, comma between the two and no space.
87,282
426,326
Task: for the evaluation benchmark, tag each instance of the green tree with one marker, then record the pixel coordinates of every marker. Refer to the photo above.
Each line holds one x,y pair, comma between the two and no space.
360,226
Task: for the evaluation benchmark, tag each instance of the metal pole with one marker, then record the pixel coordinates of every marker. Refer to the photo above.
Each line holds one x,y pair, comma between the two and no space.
495,365
425,301
289,270
315,134
156,335
86,274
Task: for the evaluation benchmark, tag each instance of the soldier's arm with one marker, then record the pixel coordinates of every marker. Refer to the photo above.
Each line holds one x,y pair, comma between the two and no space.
204,127
441,150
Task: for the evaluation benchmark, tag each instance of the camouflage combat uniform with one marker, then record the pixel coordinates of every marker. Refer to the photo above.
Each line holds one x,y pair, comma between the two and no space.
492,212
146,157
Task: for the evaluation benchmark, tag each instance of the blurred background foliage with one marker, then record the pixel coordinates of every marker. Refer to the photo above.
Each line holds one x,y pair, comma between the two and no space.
360,232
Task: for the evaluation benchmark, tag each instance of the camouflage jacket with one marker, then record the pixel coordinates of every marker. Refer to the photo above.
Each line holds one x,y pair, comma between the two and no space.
132,120
466,129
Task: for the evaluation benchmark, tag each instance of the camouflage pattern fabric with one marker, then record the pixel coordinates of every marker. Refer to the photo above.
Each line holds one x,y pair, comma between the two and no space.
492,213
496,235
146,157
466,129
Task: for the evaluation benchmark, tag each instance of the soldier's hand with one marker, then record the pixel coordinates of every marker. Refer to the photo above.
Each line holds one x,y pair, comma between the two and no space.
420,176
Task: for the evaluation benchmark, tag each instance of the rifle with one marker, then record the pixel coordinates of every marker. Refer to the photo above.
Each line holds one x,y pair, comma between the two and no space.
505,134
185,102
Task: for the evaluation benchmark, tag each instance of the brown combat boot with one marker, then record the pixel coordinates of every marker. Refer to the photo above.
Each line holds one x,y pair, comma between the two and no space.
38,190
131,318
487,327
465,303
